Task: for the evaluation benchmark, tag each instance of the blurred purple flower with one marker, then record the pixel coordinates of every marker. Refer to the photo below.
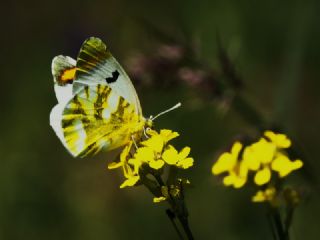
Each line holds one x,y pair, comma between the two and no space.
170,52
191,76
137,65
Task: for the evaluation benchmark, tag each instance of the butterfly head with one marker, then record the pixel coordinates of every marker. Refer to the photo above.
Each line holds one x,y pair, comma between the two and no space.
149,122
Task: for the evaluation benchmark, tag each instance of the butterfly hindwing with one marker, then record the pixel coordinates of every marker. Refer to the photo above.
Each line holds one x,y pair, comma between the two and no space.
95,118
96,65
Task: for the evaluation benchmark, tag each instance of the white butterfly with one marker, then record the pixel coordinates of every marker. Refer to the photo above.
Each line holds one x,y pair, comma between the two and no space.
98,106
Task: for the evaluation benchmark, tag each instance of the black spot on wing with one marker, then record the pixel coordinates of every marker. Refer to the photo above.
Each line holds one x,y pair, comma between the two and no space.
114,77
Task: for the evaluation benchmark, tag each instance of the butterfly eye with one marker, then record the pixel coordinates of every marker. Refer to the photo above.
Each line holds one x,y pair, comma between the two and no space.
114,77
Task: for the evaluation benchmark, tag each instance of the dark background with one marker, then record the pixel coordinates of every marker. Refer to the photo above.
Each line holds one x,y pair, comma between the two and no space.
47,194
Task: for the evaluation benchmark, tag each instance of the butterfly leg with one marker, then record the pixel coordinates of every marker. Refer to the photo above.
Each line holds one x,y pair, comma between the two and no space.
145,133
134,142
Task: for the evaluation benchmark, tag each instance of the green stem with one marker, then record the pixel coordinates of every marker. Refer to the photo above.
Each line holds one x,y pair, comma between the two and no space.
155,191
273,227
185,224
288,221
281,232
178,210
171,216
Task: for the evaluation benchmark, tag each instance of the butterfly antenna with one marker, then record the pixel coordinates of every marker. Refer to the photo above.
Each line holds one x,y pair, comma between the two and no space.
168,110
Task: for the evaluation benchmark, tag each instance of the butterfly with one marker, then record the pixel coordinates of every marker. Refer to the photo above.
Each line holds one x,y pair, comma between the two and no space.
98,107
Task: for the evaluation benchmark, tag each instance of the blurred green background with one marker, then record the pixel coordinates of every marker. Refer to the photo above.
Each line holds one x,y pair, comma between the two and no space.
47,194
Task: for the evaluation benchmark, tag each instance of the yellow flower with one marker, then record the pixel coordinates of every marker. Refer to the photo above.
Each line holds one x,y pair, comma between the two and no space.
258,157
154,152
131,181
262,176
234,180
159,199
261,157
151,152
280,140
228,162
291,196
149,155
267,195
130,173
172,191
181,159
123,158
165,134
284,166
261,152
264,156
155,143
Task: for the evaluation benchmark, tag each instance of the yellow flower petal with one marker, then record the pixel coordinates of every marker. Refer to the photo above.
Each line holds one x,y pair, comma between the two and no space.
250,159
156,164
224,163
284,166
266,195
174,192
144,154
261,152
239,182
234,180
280,140
297,164
259,197
243,170
270,192
125,152
136,163
155,142
123,157
114,165
158,199
228,180
165,191
127,170
263,176
184,153
236,148
170,155
167,135
186,163
130,182
151,132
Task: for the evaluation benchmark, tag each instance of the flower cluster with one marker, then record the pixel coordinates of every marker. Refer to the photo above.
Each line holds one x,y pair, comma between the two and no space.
150,157
261,158
288,196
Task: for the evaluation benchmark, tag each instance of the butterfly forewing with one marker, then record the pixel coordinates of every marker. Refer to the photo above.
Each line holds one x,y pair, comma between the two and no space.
63,71
96,65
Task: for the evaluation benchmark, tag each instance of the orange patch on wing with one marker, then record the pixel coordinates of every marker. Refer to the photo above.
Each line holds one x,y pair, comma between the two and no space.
68,75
